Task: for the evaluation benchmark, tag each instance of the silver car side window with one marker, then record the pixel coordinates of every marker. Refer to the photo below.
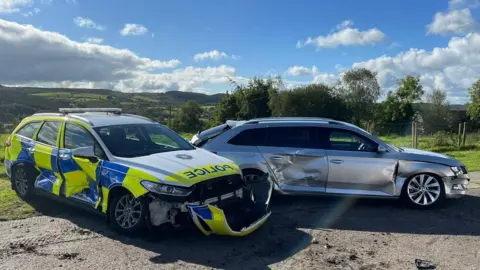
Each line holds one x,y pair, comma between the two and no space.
345,140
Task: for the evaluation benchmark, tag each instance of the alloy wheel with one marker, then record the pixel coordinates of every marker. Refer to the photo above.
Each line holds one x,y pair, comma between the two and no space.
424,189
21,181
128,211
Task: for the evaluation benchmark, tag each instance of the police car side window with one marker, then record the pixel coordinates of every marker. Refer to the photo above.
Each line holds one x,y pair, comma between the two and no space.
48,133
76,136
29,130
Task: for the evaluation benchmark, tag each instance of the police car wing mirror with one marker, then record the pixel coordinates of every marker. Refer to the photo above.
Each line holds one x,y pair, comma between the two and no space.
86,152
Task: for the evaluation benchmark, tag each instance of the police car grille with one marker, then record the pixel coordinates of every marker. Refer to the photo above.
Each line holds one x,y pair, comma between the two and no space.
216,187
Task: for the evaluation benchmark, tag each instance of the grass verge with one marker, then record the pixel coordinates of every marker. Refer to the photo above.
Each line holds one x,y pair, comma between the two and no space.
11,206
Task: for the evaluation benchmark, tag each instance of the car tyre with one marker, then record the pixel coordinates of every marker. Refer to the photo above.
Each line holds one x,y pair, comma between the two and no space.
23,178
423,191
128,215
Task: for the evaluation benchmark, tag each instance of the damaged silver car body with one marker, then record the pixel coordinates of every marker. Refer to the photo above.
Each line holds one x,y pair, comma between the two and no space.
324,156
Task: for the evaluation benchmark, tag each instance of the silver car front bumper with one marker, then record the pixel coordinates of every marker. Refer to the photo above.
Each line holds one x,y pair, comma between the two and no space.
456,186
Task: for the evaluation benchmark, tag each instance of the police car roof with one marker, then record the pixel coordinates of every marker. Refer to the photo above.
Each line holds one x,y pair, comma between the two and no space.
99,119
102,119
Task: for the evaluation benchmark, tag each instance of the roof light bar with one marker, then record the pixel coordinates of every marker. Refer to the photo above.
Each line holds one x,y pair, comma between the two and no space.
84,110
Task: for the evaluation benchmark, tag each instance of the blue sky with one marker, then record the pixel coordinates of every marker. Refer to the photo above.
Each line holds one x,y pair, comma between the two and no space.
238,40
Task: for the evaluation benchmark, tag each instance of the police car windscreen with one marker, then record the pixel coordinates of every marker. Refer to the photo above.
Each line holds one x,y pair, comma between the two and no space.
134,140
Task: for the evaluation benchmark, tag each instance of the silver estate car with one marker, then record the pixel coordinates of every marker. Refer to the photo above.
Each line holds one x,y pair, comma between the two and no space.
324,156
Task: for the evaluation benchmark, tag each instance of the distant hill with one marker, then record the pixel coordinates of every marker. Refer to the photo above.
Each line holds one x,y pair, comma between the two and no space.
18,102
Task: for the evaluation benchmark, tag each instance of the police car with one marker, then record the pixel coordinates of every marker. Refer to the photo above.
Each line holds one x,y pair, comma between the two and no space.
139,173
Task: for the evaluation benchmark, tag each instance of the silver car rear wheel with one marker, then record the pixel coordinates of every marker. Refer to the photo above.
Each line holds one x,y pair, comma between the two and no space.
424,190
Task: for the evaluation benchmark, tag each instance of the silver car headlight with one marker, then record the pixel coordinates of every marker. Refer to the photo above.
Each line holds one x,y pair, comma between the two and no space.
165,189
457,170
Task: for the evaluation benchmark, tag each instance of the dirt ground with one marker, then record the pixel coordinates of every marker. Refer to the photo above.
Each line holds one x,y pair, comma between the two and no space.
303,233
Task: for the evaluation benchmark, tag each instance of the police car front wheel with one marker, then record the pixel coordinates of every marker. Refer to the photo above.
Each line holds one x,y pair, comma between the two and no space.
128,214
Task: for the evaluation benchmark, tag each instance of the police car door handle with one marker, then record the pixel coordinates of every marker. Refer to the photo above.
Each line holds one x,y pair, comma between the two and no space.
64,156
31,150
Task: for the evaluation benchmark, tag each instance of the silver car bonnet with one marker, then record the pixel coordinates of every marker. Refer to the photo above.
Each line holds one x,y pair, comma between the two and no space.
427,156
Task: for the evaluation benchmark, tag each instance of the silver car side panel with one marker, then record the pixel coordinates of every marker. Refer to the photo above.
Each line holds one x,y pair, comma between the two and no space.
362,173
303,169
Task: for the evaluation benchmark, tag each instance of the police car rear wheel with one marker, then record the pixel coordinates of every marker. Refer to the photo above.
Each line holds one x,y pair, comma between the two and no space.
22,181
128,214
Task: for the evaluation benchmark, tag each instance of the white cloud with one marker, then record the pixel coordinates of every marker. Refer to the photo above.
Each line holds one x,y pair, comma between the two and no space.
345,36
214,55
455,4
36,55
344,24
453,68
131,29
95,40
42,58
318,77
452,22
88,23
301,71
35,11
12,6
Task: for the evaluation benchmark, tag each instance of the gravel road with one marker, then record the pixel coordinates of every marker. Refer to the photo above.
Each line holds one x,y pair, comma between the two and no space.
303,233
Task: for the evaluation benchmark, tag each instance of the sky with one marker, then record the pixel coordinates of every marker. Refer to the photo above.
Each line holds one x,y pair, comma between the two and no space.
203,45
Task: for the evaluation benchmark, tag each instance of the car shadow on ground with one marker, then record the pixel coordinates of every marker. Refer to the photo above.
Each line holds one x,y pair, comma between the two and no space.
286,232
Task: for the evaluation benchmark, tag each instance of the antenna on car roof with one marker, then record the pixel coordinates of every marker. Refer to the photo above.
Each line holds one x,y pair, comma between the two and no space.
84,110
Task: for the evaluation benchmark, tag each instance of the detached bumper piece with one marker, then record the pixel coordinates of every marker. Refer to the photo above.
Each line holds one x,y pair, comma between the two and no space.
237,214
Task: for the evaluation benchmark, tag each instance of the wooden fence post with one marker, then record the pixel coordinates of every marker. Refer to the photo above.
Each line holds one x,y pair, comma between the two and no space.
416,135
459,134
464,135
413,134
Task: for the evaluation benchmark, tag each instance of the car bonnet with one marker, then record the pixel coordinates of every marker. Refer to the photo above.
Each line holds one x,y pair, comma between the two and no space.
182,168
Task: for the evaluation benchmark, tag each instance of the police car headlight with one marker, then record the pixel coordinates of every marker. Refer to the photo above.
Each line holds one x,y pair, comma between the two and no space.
165,189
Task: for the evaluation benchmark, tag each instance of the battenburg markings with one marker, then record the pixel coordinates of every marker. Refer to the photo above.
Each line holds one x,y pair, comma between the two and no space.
208,170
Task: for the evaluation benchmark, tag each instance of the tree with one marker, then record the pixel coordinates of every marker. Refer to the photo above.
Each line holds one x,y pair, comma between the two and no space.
473,109
188,118
253,99
435,113
226,109
396,112
314,100
359,89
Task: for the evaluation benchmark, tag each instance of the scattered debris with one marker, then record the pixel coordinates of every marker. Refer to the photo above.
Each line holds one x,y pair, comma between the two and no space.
334,259
353,257
424,264
67,256
314,241
328,246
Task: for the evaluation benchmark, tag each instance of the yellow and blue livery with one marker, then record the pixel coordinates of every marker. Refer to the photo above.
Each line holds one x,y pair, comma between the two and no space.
137,172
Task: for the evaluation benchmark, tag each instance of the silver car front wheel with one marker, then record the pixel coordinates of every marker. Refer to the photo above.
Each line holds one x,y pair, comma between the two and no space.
424,190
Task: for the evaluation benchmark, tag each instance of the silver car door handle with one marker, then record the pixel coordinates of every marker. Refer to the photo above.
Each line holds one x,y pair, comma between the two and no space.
336,161
276,158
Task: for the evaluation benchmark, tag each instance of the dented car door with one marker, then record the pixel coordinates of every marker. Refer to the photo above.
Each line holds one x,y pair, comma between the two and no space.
355,165
295,160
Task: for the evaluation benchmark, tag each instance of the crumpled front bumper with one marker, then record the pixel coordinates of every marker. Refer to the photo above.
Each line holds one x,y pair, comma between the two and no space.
215,221
238,219
456,186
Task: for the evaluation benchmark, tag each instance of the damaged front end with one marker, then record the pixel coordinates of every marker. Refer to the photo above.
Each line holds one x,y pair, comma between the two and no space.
222,206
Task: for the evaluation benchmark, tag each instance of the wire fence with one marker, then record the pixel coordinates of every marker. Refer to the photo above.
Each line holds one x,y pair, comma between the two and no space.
428,135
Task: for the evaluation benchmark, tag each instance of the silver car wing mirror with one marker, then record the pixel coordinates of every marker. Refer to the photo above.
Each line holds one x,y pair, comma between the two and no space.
382,149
